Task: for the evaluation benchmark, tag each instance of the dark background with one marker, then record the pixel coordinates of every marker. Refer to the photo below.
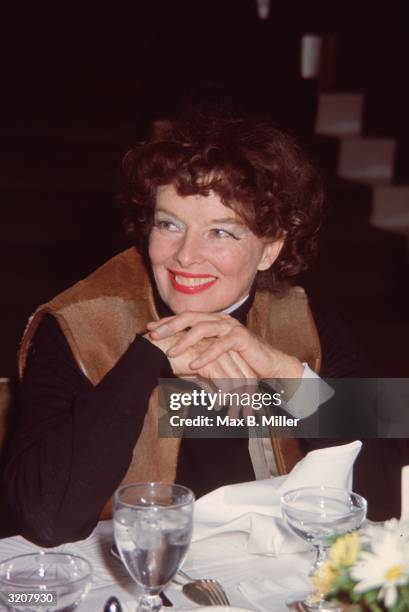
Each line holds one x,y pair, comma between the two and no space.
77,96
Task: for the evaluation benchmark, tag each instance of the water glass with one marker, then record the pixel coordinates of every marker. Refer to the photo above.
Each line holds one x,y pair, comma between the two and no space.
153,528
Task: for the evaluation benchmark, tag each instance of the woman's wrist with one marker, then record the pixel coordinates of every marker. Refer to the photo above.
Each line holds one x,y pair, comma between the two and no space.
291,368
287,376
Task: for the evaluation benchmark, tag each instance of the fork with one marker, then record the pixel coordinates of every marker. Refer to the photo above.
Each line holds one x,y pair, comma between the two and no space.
204,591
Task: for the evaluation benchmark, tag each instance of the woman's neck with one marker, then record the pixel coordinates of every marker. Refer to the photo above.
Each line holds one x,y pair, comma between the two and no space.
238,310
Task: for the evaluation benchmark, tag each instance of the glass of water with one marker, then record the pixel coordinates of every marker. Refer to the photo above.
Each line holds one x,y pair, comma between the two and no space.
153,528
317,514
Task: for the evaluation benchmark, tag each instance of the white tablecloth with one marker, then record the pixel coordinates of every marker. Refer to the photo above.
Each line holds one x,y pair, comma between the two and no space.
267,581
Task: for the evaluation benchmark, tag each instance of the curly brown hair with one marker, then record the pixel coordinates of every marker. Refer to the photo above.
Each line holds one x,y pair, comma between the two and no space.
257,170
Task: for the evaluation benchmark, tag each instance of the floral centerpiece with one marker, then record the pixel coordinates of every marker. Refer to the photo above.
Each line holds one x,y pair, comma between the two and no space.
368,570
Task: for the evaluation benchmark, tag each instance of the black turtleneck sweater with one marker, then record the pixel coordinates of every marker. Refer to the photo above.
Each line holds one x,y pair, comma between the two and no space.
75,440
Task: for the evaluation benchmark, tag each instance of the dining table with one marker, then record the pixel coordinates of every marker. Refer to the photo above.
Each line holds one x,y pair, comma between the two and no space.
251,581
239,538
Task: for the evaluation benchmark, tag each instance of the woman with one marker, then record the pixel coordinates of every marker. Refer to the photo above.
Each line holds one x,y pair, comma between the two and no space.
223,214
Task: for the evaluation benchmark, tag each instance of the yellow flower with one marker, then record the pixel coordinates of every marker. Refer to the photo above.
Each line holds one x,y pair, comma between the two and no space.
344,552
324,577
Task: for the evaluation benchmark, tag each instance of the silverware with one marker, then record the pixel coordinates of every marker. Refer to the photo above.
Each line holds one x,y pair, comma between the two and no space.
204,591
115,552
112,605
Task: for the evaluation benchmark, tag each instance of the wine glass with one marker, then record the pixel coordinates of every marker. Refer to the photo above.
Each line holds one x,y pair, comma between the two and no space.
153,528
317,514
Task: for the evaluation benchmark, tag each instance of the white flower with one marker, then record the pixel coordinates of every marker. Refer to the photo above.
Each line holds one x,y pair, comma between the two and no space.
374,531
399,528
386,566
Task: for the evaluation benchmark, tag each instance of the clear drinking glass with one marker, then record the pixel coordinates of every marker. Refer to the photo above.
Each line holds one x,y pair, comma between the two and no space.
44,581
153,528
317,514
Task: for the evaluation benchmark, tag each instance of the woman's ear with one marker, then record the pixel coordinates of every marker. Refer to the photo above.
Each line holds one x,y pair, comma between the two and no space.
271,251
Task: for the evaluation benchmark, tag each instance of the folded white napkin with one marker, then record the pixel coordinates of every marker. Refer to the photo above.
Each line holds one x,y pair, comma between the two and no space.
331,467
254,507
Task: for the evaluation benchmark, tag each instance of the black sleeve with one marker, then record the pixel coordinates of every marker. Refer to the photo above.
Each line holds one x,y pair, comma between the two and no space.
342,355
75,441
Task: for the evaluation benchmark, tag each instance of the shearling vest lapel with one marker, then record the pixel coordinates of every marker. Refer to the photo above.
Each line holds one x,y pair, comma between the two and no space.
101,314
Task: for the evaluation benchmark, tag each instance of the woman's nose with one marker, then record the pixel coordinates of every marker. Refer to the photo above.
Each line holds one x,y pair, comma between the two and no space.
189,250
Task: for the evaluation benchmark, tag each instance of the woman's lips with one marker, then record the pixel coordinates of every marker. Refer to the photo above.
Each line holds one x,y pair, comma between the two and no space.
190,283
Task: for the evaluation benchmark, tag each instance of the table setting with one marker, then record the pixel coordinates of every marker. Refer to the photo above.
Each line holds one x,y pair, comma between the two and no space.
250,538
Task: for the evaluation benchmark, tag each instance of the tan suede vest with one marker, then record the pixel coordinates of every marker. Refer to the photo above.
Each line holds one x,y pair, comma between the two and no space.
100,316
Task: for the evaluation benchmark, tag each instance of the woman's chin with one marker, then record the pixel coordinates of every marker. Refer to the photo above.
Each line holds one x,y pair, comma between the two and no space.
179,304
179,307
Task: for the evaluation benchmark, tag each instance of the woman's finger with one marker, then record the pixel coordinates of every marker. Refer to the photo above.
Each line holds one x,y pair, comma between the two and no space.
171,325
230,368
153,324
216,349
230,374
245,382
223,373
248,383
200,331
247,372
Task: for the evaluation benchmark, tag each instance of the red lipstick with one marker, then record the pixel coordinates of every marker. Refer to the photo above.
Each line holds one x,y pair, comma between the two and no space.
190,290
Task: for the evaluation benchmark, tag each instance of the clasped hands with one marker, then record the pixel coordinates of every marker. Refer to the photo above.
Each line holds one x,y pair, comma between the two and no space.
217,346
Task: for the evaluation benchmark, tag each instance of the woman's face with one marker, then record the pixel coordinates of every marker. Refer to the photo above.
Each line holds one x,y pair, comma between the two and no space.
203,256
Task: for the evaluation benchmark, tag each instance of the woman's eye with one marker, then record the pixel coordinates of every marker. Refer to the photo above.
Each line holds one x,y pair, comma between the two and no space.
221,233
166,225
